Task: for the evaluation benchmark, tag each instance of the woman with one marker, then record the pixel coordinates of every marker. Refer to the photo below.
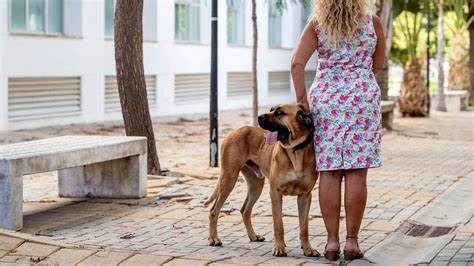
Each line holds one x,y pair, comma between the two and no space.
345,104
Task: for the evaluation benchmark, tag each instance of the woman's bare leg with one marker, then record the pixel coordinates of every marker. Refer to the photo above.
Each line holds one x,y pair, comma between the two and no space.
330,204
355,198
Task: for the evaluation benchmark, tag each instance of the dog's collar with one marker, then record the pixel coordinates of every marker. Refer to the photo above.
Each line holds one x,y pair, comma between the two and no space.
305,143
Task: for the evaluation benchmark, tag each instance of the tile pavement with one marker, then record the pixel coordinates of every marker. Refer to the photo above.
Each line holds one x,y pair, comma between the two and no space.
422,159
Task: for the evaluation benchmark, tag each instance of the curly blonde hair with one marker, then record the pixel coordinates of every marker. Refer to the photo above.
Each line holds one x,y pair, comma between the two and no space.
339,19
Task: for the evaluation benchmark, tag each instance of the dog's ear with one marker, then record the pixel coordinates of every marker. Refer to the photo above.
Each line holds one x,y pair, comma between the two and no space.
304,119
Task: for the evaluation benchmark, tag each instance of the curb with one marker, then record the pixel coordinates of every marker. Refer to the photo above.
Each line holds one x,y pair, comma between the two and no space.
448,210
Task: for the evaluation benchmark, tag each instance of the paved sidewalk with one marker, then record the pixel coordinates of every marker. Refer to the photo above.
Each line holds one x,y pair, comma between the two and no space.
423,160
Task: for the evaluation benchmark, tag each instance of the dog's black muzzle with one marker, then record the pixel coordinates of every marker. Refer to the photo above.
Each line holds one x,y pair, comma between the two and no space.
265,123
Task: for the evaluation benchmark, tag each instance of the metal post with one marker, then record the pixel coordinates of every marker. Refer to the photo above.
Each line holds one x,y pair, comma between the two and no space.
428,29
213,149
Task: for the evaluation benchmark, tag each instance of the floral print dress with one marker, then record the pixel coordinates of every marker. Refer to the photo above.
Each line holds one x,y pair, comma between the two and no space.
345,102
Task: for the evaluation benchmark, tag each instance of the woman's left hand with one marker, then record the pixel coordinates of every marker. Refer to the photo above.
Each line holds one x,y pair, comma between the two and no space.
304,104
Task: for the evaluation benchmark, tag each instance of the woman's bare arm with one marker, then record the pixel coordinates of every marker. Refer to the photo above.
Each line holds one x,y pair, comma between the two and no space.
304,50
379,54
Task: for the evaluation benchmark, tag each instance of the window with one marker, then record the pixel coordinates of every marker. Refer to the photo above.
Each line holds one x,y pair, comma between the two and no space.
305,15
274,25
148,20
109,17
36,16
235,21
187,20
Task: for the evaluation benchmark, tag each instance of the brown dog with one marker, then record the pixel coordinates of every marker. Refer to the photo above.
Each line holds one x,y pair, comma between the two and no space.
288,164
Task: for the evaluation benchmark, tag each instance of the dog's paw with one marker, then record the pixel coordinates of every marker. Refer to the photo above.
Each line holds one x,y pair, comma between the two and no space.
214,242
257,238
310,252
279,250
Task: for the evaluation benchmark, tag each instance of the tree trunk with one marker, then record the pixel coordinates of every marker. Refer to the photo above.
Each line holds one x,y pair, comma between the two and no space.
385,13
441,106
471,60
471,49
413,95
254,64
131,77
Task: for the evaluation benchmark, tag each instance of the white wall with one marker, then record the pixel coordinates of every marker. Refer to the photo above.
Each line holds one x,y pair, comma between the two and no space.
91,57
3,77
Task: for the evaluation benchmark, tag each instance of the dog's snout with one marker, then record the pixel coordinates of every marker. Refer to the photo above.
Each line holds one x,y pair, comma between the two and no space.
262,118
263,121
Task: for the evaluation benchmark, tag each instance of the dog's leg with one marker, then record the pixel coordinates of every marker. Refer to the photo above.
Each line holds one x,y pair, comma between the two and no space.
227,182
304,203
279,249
254,190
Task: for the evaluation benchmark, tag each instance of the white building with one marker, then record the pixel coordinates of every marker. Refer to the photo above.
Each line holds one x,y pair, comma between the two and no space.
57,58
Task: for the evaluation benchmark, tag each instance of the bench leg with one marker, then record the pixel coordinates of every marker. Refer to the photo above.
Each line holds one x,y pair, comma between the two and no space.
11,197
121,178
387,120
453,104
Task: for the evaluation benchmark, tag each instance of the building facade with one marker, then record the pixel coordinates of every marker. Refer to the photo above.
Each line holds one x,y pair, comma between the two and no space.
57,61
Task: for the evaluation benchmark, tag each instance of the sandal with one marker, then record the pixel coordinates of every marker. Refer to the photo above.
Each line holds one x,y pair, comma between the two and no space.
353,254
332,255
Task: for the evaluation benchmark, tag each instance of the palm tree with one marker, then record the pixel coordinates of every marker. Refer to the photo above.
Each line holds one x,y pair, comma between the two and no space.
131,78
413,94
459,78
441,106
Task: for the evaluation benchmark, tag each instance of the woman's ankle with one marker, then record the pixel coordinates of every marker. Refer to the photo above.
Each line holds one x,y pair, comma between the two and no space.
332,244
351,243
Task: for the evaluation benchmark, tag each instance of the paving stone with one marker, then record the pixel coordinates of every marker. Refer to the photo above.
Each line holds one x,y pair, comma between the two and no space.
9,243
177,214
448,252
439,263
148,213
457,263
106,258
318,263
3,253
461,257
68,256
287,261
34,250
205,255
146,259
466,229
247,260
17,260
186,262
381,226
467,250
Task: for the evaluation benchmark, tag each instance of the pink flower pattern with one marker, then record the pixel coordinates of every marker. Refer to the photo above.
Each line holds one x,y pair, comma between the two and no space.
345,102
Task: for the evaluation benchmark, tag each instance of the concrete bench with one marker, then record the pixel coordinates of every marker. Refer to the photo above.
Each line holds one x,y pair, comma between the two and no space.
388,108
89,166
456,101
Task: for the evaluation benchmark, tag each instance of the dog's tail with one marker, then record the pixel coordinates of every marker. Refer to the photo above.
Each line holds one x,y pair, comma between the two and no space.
212,198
